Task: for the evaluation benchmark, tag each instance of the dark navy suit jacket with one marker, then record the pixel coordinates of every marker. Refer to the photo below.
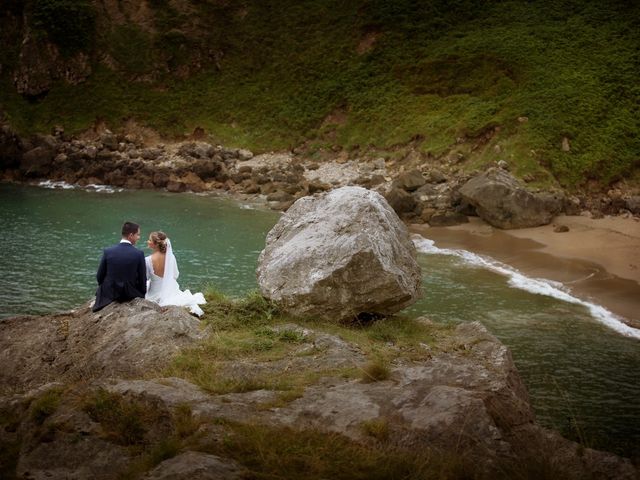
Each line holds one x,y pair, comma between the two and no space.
122,275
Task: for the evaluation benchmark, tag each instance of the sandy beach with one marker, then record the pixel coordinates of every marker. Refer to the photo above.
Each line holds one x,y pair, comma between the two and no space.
598,259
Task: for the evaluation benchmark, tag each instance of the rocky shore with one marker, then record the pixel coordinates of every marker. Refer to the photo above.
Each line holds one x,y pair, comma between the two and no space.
87,395
419,189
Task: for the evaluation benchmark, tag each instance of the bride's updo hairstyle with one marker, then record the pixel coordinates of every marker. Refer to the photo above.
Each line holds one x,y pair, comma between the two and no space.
159,239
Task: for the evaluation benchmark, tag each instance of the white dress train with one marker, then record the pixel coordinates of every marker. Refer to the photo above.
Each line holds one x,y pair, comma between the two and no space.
166,291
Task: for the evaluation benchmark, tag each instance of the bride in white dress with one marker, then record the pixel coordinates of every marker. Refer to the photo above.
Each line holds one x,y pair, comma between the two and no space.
162,274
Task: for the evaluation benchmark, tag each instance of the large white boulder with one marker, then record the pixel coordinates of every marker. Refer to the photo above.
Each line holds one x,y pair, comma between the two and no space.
338,255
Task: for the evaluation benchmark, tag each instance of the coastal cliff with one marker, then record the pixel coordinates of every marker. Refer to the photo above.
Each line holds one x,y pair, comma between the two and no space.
546,87
144,392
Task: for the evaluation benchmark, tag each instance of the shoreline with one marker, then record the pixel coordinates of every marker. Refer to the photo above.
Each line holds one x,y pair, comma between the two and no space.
597,259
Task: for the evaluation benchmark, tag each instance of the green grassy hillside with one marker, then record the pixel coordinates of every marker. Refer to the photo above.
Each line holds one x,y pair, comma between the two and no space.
372,74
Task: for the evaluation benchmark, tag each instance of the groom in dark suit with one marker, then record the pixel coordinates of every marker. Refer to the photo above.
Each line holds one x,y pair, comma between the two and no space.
122,274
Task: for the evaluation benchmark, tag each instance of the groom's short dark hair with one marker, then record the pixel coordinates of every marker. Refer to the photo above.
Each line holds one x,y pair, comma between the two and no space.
129,227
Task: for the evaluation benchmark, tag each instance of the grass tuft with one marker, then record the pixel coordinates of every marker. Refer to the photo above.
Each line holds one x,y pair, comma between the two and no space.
45,405
376,370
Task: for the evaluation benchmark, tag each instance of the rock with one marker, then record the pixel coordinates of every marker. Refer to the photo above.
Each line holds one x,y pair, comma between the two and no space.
37,162
244,155
279,196
11,148
121,339
40,64
401,201
409,181
150,153
502,202
317,186
566,147
196,150
206,168
196,466
572,206
447,219
633,204
73,456
461,396
503,165
109,140
436,176
560,229
338,255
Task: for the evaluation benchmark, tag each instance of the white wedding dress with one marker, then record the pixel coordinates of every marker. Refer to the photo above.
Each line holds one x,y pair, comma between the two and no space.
166,291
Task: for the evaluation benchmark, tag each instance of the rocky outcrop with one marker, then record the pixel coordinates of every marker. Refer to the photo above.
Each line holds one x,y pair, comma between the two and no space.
339,255
11,148
501,201
40,64
461,395
122,339
420,195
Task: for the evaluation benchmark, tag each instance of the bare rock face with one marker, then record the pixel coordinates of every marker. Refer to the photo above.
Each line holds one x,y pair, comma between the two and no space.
501,201
41,64
122,339
338,255
195,466
11,148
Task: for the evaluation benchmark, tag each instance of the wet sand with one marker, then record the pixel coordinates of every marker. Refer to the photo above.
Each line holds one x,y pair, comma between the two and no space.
599,260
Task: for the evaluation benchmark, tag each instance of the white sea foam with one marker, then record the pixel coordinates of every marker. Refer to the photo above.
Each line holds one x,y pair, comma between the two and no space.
539,286
52,184
102,188
68,186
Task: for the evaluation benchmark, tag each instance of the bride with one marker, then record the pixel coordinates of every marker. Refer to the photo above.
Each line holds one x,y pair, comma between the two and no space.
162,272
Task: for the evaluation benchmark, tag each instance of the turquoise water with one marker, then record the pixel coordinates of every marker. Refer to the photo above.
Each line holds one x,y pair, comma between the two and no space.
583,377
52,241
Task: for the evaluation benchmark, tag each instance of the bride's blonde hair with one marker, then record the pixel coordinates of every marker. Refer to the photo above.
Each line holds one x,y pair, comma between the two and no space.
159,239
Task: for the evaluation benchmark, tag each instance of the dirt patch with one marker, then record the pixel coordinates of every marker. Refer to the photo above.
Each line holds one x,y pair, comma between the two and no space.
367,43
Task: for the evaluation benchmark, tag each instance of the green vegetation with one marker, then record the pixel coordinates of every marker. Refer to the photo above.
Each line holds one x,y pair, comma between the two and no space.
70,24
270,453
392,72
122,420
251,330
45,405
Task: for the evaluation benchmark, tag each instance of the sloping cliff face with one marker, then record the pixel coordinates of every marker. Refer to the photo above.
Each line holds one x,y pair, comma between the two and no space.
64,41
547,89
110,410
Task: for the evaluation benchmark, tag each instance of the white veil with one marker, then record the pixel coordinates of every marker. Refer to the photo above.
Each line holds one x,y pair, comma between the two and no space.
169,287
170,293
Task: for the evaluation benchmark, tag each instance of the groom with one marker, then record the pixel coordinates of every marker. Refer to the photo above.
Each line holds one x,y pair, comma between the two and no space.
122,274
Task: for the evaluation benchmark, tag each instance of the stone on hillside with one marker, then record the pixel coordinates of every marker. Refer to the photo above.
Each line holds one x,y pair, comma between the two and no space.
436,176
11,148
109,140
633,204
244,155
338,255
501,201
401,201
37,162
195,466
410,181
